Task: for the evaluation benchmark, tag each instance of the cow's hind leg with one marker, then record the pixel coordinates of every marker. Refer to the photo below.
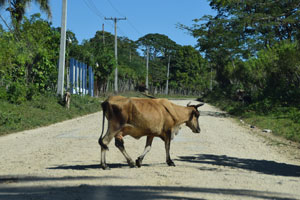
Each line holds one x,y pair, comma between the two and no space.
103,142
119,142
139,160
167,146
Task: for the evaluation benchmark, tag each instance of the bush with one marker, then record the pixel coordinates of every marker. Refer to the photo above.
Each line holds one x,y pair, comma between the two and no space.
16,93
295,115
3,94
7,118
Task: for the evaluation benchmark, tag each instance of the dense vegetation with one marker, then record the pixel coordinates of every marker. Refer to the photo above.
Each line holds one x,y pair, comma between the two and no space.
253,48
247,60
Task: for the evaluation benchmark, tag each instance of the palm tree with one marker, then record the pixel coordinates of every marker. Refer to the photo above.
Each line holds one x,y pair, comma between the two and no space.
17,8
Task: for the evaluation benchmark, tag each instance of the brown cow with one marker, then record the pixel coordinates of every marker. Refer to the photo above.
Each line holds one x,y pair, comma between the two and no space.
139,117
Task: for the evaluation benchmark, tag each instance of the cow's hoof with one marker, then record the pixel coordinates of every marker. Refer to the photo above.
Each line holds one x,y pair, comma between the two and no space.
171,163
131,164
105,167
138,162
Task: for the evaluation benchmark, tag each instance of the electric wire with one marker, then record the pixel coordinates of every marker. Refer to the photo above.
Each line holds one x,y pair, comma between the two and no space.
128,20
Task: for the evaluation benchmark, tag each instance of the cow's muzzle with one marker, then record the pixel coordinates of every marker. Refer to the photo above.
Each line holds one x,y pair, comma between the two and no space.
198,130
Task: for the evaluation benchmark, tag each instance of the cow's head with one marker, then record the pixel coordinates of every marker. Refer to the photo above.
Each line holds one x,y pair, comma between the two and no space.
193,122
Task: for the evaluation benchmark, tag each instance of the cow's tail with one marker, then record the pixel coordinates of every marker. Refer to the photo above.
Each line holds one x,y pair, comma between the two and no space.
104,106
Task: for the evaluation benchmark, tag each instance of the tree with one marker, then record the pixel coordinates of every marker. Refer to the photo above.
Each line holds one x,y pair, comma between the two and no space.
17,9
161,47
189,71
241,29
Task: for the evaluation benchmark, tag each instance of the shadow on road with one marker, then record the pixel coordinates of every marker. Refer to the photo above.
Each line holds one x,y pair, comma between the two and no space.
214,114
260,166
22,179
130,192
95,166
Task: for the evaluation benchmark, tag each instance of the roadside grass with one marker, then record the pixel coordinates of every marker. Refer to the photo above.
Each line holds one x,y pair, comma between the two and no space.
281,120
43,110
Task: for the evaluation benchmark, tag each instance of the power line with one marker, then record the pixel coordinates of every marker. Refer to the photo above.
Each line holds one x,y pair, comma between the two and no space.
129,21
90,4
114,8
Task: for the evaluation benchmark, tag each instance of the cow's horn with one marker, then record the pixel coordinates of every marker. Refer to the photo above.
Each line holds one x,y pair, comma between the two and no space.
189,103
198,105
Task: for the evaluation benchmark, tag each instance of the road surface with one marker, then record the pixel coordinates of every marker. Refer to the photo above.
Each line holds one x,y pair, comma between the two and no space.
227,160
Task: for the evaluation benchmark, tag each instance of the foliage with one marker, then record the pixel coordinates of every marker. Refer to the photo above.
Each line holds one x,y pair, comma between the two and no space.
189,70
30,59
17,9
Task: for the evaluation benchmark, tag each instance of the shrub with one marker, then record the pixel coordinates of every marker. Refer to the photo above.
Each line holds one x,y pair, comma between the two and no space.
16,93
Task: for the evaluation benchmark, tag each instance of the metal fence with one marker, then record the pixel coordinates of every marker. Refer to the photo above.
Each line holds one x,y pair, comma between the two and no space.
81,78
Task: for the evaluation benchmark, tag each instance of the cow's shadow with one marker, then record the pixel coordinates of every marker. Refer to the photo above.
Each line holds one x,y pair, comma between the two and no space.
260,166
93,166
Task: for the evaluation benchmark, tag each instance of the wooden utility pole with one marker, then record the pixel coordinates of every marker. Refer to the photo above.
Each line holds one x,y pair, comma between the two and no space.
116,50
168,73
147,67
62,52
210,78
103,38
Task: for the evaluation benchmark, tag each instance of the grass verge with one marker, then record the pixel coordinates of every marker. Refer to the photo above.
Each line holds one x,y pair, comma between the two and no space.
281,120
43,110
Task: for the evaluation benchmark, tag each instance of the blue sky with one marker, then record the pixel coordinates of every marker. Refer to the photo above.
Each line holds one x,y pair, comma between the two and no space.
85,17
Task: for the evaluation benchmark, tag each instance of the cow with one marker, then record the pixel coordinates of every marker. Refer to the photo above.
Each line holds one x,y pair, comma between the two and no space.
140,117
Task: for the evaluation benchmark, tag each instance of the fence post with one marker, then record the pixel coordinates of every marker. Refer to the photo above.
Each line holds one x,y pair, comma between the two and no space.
71,74
76,78
91,81
85,79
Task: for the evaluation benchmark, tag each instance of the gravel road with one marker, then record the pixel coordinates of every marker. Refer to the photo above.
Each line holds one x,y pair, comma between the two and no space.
227,160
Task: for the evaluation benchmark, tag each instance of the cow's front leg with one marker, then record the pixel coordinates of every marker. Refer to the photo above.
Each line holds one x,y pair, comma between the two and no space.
139,160
167,146
119,142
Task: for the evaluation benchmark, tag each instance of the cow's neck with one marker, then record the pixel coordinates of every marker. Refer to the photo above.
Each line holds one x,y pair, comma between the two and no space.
183,114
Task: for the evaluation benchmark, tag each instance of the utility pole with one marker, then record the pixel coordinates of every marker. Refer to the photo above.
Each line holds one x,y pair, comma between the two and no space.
116,49
210,77
147,67
103,39
168,73
61,70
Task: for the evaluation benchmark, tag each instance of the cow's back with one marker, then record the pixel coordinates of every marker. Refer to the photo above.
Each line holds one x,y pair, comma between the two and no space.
150,116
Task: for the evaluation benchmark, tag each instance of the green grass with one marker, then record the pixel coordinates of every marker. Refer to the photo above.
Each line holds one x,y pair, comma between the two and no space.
42,111
282,120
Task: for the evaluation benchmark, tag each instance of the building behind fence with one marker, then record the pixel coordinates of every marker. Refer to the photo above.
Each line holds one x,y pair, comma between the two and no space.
81,78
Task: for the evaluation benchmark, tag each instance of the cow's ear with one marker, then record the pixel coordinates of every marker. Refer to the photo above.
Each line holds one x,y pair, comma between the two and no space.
198,105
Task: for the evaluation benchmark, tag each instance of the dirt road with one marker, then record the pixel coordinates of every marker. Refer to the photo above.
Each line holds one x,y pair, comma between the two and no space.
225,161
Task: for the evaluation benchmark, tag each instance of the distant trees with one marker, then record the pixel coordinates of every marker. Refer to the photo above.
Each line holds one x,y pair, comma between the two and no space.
187,67
253,45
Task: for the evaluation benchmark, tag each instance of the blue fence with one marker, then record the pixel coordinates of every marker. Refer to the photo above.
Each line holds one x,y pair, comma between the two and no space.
81,78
